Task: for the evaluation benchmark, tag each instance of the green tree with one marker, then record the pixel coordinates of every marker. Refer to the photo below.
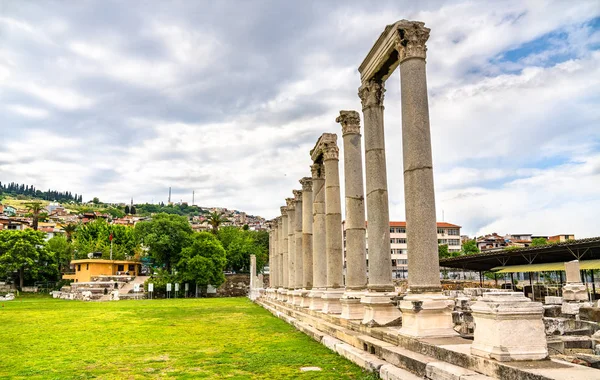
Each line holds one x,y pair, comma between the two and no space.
115,212
21,252
203,261
165,236
127,209
240,244
94,237
35,208
69,231
443,251
215,219
96,201
469,248
62,251
538,242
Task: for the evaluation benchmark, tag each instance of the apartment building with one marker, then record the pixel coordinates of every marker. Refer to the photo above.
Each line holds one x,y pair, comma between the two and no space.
447,234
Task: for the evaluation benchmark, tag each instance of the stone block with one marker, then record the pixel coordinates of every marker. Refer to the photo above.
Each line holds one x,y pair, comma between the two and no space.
447,371
589,314
427,315
553,300
380,310
361,358
572,308
390,372
575,292
330,342
509,327
552,311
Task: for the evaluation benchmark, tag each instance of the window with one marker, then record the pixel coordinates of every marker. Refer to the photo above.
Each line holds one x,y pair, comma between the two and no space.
392,230
402,230
453,242
440,231
402,261
453,232
120,268
78,267
87,266
442,241
131,267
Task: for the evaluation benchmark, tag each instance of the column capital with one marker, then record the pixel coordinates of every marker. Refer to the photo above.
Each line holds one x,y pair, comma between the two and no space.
284,211
297,195
306,183
291,204
331,152
350,121
412,36
317,171
371,94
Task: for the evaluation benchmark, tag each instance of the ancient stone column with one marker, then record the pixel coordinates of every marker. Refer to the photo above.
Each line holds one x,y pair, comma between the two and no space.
379,309
421,228
307,239
298,268
356,260
333,228
291,206
252,294
319,257
574,292
283,240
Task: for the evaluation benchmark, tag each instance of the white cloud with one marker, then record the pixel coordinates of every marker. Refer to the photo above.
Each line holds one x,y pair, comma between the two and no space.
30,112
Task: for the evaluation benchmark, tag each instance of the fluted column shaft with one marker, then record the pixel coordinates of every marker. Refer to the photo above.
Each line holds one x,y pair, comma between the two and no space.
291,243
378,215
271,257
419,196
356,261
307,233
333,219
319,232
284,249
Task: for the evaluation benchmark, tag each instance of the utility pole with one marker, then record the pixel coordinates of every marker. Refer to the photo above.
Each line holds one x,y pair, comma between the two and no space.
193,196
169,201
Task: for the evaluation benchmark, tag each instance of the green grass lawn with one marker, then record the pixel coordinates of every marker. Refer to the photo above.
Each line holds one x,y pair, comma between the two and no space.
232,338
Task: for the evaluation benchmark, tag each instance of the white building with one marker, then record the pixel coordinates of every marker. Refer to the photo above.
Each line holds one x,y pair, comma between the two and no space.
447,234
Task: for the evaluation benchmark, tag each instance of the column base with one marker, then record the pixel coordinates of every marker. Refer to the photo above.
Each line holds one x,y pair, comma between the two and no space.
509,327
282,294
305,302
427,315
271,293
316,300
351,306
331,301
296,297
575,292
380,310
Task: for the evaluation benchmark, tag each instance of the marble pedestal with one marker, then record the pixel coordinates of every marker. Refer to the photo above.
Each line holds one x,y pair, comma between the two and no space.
305,301
331,301
427,315
509,326
352,308
380,310
271,293
316,300
296,296
280,294
574,292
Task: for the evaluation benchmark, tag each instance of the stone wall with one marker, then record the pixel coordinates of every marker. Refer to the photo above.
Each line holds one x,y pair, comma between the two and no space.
237,285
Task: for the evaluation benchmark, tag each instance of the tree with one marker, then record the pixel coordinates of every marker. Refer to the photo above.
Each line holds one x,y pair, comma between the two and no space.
127,210
239,245
443,251
94,237
35,208
132,210
469,248
165,236
538,242
21,252
115,212
69,231
215,219
95,200
62,251
203,261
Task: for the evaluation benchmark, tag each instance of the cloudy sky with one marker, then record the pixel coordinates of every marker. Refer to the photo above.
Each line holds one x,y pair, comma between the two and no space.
226,98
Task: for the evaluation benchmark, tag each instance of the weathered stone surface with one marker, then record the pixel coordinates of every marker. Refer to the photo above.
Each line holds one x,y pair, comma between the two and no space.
552,311
447,371
330,342
390,372
509,327
572,272
361,358
427,315
572,308
589,314
574,292
552,300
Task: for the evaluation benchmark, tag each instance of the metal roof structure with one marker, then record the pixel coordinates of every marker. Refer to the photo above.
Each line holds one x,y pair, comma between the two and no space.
582,249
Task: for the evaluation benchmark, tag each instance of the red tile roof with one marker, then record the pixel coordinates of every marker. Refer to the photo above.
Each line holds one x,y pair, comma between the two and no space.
439,224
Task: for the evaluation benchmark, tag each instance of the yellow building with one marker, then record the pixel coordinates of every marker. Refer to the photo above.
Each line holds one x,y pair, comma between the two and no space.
85,269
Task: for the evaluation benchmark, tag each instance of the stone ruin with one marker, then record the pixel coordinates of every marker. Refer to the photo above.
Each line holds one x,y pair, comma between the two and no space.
355,310
104,288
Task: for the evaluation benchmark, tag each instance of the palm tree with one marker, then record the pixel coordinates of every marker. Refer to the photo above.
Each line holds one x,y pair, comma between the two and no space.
69,230
35,208
215,219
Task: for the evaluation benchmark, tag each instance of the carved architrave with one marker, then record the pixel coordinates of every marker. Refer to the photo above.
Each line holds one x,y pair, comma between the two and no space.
326,139
412,37
371,94
317,171
350,121
306,183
